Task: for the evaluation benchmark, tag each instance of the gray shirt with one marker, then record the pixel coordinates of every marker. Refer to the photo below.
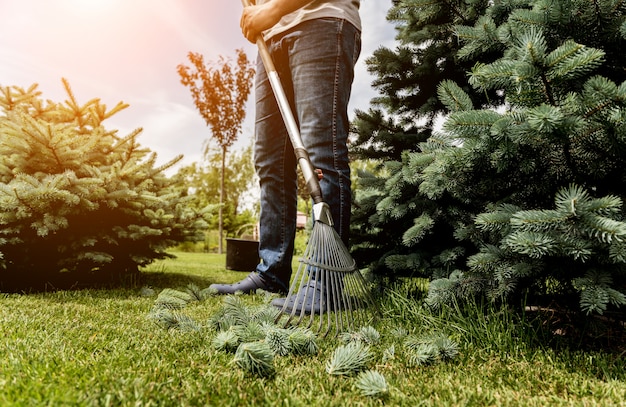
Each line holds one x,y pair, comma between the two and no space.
344,9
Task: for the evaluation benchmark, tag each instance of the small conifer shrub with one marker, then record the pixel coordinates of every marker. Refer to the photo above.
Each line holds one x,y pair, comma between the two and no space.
78,201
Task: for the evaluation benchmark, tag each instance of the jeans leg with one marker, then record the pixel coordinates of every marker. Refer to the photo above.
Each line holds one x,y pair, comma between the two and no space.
322,54
315,62
275,165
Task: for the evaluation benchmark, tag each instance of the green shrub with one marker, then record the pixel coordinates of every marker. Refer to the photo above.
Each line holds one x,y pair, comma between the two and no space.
76,200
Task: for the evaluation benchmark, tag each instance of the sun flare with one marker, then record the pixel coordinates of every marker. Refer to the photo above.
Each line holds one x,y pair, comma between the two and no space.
91,6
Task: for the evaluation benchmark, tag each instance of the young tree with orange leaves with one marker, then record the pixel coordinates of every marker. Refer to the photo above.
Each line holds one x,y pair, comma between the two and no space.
219,91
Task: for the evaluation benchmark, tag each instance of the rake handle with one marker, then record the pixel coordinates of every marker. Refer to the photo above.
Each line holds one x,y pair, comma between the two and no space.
310,176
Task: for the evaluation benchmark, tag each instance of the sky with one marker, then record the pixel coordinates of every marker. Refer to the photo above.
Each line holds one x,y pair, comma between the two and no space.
127,51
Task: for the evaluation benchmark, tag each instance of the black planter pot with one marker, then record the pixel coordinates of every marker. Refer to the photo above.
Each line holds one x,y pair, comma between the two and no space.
242,254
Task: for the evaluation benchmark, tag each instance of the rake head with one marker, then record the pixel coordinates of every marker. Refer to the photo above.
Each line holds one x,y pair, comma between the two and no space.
328,290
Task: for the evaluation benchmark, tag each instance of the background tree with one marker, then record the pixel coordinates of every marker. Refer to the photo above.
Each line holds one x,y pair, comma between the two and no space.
77,201
528,198
220,92
202,183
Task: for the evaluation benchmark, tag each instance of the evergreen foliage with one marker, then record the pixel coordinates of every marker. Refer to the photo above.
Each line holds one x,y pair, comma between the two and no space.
172,299
349,359
372,383
255,341
251,331
366,334
525,200
170,319
256,358
76,199
303,341
227,341
429,348
400,119
278,341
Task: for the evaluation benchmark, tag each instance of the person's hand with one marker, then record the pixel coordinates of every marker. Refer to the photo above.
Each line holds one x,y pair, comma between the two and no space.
256,19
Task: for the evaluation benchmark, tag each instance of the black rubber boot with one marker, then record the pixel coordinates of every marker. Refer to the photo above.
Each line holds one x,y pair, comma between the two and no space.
248,285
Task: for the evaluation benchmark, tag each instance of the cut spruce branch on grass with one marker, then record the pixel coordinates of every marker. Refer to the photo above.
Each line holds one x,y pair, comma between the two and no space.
256,358
227,341
172,299
250,332
303,341
278,341
168,319
238,324
349,359
372,383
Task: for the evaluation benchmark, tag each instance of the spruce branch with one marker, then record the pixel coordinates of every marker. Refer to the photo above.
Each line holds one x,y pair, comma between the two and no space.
172,299
539,220
221,322
278,341
367,334
303,341
265,314
195,293
617,251
170,320
372,383
421,354
421,226
250,332
399,332
604,229
349,359
429,348
453,96
256,358
447,349
596,292
533,244
227,341
389,354
234,307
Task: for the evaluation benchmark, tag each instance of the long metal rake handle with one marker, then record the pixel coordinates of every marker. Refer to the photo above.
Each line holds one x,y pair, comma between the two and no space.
310,176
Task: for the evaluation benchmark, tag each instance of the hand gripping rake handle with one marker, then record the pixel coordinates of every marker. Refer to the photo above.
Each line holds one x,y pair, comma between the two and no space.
310,176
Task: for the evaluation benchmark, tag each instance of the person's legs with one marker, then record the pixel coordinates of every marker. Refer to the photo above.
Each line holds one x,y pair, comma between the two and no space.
315,62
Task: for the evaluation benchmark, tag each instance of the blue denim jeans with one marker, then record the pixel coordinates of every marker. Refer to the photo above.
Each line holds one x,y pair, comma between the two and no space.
315,62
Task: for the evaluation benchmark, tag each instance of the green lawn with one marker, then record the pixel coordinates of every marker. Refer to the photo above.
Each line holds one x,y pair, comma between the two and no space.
98,347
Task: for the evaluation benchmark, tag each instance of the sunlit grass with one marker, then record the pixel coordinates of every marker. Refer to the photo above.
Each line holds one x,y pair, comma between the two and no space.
98,347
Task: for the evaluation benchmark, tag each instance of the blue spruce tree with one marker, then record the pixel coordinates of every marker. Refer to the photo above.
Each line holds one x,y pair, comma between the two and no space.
525,199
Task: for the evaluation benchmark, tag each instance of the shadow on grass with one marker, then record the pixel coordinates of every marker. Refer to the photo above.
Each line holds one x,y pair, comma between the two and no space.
180,269
156,280
162,280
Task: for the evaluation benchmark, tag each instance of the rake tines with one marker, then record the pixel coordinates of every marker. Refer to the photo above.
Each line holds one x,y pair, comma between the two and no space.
328,286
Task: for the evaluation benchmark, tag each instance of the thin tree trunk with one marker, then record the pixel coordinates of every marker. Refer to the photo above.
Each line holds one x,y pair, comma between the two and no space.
221,220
